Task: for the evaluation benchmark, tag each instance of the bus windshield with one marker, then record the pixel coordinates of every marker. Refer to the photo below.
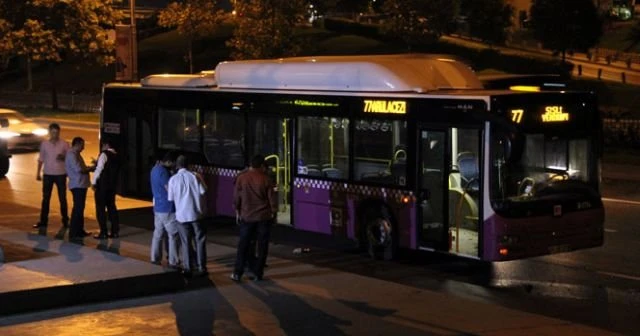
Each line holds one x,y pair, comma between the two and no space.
545,161
549,151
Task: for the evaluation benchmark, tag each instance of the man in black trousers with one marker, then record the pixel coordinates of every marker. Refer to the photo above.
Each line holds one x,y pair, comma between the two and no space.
104,183
256,205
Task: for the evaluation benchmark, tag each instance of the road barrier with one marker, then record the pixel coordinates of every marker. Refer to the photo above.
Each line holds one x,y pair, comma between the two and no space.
66,101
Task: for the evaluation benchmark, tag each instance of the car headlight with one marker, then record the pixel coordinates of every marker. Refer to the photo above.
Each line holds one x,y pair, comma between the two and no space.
40,131
8,134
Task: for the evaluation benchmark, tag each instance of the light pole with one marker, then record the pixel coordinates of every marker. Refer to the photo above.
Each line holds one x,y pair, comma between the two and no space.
134,41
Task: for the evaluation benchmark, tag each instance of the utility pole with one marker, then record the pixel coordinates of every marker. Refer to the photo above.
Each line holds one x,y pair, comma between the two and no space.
134,41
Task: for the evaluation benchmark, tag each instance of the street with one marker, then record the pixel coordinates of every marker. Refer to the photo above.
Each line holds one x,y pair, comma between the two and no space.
596,287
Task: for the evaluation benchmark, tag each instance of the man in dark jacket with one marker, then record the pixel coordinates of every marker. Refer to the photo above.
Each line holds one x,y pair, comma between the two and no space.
104,183
256,204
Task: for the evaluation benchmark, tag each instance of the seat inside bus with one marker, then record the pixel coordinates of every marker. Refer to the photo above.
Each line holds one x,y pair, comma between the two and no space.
469,174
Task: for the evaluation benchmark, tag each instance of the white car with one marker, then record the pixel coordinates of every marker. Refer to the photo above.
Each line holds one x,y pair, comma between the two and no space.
19,131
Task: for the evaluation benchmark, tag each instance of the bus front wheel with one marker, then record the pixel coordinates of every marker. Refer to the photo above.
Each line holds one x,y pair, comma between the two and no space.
379,235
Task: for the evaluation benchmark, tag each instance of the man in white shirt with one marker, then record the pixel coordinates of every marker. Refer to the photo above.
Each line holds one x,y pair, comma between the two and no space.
186,190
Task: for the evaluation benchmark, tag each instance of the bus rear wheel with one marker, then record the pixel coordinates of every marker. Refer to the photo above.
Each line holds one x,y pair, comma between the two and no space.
379,235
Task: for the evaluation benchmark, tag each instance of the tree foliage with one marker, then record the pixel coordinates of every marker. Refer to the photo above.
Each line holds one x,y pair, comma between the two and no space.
192,18
265,28
418,21
489,20
566,25
58,30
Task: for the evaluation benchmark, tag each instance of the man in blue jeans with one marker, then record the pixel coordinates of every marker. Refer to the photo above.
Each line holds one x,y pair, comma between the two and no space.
164,212
256,205
51,164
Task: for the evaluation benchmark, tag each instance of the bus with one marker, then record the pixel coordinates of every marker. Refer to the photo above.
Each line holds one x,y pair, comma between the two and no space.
387,151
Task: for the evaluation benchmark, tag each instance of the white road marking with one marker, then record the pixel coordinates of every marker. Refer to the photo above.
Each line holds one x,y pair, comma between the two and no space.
618,275
610,230
616,200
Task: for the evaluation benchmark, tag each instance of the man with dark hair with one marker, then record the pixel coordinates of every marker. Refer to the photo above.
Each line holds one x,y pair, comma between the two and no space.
52,159
256,205
78,173
164,212
104,184
186,190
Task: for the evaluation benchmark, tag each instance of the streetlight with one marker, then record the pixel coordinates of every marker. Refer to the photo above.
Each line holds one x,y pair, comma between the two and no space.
134,41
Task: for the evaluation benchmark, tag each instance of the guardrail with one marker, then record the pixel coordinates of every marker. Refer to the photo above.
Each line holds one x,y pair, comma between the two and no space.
621,132
66,101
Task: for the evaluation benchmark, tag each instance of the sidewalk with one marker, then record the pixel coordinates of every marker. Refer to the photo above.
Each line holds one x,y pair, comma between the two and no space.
64,274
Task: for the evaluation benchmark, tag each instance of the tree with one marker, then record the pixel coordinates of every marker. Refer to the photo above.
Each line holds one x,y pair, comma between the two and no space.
489,20
194,19
6,45
58,30
418,21
563,26
265,29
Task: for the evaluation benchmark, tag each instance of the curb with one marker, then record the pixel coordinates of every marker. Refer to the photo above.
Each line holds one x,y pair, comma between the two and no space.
98,291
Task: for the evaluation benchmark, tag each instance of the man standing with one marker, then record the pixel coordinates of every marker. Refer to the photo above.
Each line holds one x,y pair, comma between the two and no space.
164,212
104,184
78,184
256,203
52,157
187,190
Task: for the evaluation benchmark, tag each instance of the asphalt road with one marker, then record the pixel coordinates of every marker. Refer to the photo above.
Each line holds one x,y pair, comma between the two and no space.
597,287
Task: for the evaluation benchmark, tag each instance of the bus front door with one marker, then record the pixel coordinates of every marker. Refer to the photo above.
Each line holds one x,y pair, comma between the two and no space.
432,190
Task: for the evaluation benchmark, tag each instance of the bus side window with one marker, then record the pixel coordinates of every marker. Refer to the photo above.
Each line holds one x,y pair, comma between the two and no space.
323,147
380,152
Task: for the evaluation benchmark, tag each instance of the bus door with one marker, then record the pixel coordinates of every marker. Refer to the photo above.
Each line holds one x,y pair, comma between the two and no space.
432,190
138,152
271,137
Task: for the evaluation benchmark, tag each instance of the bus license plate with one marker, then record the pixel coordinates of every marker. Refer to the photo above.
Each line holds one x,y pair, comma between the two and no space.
559,248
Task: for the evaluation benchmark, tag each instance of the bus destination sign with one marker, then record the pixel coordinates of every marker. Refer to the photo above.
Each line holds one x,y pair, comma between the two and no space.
554,114
385,106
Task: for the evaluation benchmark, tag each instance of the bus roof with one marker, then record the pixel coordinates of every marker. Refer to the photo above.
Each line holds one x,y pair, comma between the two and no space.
370,73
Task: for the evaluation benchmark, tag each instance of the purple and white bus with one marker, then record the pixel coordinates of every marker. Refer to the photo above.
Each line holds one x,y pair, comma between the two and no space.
389,151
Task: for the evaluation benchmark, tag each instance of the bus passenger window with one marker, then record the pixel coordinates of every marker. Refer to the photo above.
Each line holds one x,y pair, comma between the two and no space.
178,129
323,147
380,151
223,136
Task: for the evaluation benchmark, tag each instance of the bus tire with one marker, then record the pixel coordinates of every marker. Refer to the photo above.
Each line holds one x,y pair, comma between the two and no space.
379,234
4,166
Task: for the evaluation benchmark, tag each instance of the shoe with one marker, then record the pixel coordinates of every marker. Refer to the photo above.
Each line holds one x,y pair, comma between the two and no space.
38,226
174,267
85,234
256,278
156,262
100,236
187,273
235,277
201,272
114,235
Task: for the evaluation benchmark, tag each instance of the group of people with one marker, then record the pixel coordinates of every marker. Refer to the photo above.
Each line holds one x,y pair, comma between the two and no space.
58,162
179,206
178,203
